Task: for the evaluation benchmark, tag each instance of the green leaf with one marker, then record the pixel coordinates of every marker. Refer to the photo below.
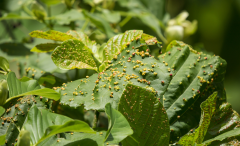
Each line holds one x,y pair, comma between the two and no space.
146,116
208,108
227,135
24,138
111,17
2,110
48,47
43,124
73,54
118,128
4,64
51,2
3,91
79,35
116,45
67,17
31,87
224,120
38,11
15,116
51,35
82,139
15,16
2,139
15,49
73,125
100,22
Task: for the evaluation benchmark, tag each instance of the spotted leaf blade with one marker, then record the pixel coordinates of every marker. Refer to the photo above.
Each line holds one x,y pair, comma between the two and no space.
208,108
146,116
73,54
223,123
51,35
116,44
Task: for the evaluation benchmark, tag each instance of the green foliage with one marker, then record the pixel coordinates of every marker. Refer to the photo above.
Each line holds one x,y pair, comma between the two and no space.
118,128
51,124
31,87
146,116
117,83
4,65
3,91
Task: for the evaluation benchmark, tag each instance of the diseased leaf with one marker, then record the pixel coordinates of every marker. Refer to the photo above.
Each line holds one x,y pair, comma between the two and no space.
51,35
208,108
73,54
118,128
31,87
14,118
229,135
48,47
146,116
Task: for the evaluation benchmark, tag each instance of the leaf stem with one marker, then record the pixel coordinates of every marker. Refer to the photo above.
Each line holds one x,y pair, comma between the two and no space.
124,21
87,21
95,120
3,72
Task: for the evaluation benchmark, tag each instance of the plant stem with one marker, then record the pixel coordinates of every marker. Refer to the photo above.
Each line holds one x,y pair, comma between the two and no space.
95,120
49,15
3,72
124,21
87,21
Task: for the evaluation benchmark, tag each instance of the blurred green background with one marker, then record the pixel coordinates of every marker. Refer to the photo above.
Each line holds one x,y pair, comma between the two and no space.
217,32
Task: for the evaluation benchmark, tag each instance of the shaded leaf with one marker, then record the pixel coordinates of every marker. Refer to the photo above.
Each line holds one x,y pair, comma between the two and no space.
48,47
38,11
101,23
4,64
208,108
73,125
73,54
31,87
118,128
14,118
15,49
146,116
67,17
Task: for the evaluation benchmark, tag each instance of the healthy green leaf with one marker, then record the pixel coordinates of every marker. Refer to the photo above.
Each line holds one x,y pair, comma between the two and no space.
67,17
73,54
73,125
118,128
3,91
2,110
48,47
146,116
4,64
24,138
15,49
51,2
31,87
208,108
100,22
43,124
38,11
